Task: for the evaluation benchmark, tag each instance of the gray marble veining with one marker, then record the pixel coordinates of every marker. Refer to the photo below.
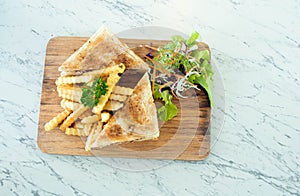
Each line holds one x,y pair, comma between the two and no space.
256,46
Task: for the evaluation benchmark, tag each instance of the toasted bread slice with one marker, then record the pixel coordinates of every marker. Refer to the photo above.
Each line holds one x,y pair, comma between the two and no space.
137,120
98,52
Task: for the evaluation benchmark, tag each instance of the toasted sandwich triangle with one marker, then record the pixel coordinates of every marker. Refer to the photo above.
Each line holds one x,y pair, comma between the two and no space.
136,121
98,52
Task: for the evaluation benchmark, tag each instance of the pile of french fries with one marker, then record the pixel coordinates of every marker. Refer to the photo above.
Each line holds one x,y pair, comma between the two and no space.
78,120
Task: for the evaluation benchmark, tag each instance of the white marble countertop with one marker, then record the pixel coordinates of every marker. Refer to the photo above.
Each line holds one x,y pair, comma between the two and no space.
256,46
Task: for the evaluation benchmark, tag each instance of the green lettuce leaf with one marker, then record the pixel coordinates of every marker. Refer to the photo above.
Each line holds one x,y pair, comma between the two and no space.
206,84
169,110
178,38
192,40
203,54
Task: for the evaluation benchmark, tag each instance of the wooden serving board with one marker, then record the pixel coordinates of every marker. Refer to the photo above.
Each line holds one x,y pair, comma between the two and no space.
186,137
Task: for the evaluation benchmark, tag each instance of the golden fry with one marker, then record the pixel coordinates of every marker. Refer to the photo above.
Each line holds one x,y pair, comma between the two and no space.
69,105
120,98
56,120
78,132
86,114
73,131
120,68
69,92
68,73
73,117
73,79
79,125
111,82
90,119
113,105
105,116
96,129
87,129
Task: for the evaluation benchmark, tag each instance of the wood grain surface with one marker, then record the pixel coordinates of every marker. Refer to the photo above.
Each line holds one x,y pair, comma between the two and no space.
186,137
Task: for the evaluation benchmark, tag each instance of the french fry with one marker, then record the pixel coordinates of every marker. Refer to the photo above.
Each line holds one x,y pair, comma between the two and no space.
122,90
78,131
73,79
69,92
111,82
96,129
87,129
56,120
69,105
73,131
105,116
90,119
86,114
68,73
120,68
79,125
120,98
73,117
113,105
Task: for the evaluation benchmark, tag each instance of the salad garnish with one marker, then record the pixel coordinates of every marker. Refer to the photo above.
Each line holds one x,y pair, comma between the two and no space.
91,94
178,66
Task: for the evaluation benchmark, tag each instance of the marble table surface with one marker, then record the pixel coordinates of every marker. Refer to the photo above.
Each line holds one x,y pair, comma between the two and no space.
256,46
